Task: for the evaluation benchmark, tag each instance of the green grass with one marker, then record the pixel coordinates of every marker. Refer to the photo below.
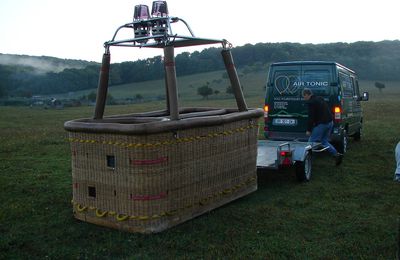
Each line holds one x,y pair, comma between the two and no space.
351,211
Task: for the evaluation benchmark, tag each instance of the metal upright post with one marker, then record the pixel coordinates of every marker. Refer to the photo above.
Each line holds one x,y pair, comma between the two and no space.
170,75
102,86
234,79
166,91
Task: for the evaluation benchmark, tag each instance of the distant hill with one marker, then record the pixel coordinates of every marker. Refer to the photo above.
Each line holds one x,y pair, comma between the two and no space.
22,75
42,64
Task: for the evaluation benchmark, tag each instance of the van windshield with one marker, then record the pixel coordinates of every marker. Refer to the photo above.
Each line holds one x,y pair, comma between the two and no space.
292,82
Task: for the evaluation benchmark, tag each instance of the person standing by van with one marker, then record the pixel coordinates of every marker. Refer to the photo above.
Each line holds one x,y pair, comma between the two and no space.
397,156
320,124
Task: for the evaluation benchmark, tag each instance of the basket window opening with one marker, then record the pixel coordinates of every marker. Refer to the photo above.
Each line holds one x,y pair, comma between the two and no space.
92,191
111,161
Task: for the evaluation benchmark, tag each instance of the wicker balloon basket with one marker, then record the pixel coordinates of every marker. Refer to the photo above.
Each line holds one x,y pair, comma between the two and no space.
147,182
146,172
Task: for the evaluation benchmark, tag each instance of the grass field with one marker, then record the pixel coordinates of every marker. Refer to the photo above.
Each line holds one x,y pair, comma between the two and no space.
351,211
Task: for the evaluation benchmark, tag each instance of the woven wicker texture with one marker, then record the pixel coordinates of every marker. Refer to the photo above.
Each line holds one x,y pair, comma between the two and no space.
147,183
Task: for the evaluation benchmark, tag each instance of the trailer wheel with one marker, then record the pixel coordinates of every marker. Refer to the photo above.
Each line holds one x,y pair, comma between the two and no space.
304,168
357,135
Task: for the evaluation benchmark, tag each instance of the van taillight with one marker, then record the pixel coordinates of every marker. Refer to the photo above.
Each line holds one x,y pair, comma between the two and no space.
266,109
337,113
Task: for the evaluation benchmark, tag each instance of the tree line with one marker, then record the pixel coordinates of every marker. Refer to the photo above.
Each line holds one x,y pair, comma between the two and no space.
371,60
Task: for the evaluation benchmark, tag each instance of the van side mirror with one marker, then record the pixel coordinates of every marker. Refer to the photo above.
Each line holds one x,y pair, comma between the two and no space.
365,96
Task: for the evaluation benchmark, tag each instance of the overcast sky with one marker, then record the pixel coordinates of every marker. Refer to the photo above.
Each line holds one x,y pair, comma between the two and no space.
77,29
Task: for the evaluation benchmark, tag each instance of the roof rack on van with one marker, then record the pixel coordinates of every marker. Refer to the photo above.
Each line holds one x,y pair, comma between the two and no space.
311,63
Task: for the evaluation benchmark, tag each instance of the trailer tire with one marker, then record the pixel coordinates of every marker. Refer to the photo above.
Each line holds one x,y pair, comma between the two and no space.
304,168
357,135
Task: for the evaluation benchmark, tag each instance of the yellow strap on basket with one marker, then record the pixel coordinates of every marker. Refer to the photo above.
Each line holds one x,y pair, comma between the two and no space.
122,217
155,216
100,213
80,208
227,191
202,202
143,217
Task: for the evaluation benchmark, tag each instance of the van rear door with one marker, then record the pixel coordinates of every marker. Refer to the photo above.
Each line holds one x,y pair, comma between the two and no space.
288,112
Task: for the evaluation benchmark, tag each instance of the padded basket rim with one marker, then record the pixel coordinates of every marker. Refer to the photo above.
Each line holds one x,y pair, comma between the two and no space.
156,125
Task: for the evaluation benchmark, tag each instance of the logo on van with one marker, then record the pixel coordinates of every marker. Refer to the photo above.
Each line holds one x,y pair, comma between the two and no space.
287,84
291,84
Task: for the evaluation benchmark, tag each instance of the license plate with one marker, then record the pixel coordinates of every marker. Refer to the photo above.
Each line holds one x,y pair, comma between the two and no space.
284,121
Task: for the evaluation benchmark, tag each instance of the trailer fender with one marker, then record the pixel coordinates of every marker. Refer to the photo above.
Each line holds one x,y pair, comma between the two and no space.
300,153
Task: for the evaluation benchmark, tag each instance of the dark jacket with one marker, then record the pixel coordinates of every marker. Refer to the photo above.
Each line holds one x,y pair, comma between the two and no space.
318,112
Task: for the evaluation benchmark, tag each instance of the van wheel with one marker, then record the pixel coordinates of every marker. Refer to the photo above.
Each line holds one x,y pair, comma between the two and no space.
357,135
304,168
341,146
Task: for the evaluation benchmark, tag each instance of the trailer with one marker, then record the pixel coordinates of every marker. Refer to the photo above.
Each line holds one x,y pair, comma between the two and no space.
282,154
